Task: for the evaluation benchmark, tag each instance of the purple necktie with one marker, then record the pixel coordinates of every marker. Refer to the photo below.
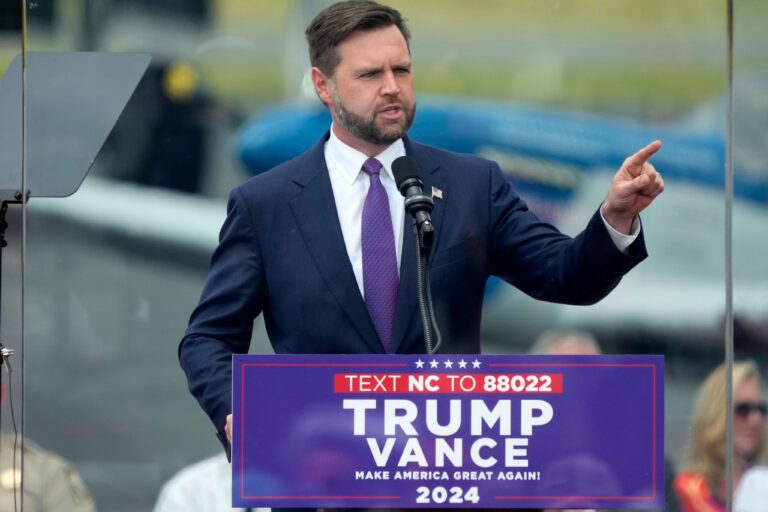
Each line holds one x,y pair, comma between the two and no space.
380,281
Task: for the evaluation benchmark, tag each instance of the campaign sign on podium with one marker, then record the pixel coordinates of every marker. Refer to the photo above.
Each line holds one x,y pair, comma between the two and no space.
411,431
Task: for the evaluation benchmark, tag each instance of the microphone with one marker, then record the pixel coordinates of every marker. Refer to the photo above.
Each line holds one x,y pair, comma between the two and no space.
417,204
419,207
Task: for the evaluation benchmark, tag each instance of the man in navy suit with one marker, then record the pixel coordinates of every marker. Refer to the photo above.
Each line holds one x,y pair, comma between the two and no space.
320,244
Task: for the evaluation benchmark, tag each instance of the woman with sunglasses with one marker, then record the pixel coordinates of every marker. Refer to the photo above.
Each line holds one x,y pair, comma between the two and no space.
702,488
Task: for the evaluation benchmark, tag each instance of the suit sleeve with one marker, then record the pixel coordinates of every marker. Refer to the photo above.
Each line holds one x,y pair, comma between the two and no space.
222,323
546,264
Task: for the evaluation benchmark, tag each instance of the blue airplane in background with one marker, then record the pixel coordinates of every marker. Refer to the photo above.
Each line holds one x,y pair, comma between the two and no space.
561,162
545,152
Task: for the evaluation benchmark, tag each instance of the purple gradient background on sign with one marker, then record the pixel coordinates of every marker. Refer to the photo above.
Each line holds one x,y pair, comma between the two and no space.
294,444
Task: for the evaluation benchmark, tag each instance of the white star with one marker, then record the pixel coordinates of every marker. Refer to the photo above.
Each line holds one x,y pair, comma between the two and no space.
419,364
448,363
462,364
475,364
433,364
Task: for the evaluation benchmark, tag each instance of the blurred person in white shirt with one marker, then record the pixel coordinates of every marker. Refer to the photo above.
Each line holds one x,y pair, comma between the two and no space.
204,486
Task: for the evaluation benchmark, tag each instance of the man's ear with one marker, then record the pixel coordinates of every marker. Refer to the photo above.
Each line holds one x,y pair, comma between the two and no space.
322,86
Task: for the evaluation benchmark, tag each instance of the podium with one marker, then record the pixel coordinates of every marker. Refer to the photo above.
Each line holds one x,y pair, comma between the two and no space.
448,431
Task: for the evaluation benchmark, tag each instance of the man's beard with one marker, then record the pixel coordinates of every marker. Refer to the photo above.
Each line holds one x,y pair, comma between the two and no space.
367,129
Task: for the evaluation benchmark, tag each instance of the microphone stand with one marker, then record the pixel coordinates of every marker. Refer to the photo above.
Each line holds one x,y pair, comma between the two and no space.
419,206
424,234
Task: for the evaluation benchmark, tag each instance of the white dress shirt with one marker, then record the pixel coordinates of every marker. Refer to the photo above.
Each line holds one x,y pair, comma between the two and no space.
204,486
350,186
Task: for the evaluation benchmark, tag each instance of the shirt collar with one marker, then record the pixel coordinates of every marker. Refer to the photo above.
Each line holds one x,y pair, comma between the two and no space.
349,161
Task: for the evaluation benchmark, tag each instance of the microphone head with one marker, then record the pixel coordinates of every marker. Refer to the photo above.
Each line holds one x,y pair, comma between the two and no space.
405,171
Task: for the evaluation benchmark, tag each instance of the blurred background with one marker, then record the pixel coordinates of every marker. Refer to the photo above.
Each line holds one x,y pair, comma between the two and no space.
559,92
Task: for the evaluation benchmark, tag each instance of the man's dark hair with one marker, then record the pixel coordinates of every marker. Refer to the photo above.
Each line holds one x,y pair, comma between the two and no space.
335,23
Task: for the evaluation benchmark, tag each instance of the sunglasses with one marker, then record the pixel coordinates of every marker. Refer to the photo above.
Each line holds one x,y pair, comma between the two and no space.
744,409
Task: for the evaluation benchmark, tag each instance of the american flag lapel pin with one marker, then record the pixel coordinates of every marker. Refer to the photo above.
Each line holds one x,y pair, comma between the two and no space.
437,193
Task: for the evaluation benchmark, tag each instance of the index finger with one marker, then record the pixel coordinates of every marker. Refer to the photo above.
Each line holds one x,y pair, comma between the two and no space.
644,154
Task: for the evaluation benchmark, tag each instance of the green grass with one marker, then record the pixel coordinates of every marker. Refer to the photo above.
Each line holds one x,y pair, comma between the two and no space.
596,85
536,17
687,37
672,84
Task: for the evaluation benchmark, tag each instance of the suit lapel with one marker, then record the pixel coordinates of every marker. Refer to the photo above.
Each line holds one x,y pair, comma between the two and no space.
406,293
407,310
315,211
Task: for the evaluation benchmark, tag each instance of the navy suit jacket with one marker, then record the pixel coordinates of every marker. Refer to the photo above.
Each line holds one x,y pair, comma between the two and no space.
282,254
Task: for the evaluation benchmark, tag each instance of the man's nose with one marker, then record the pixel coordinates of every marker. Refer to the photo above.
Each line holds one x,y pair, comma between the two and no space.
390,86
